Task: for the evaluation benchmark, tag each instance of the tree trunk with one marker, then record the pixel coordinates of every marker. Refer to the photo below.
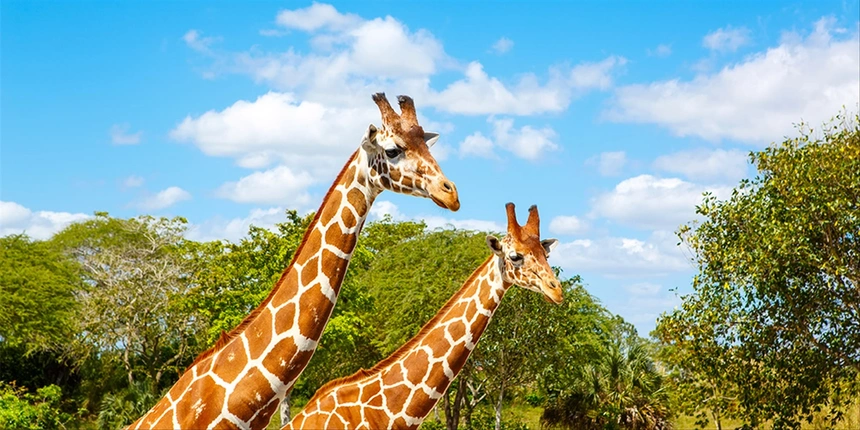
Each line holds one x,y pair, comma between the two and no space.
285,408
448,414
127,364
458,401
499,406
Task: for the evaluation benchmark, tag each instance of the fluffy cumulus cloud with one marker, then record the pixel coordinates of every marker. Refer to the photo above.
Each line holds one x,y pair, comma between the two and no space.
195,40
315,17
565,224
478,93
236,228
727,39
278,127
757,99
477,145
279,185
525,142
650,202
502,45
705,164
350,55
15,218
164,199
120,134
621,256
609,163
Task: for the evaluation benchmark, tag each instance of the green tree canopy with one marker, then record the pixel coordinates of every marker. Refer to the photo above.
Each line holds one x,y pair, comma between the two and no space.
774,319
37,286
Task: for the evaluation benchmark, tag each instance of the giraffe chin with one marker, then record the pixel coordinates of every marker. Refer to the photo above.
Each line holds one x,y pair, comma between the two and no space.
552,295
452,204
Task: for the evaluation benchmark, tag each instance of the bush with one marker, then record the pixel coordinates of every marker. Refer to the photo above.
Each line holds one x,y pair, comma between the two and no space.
120,409
20,409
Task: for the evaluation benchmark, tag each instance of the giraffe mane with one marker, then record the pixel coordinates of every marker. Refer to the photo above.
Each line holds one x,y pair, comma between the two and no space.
405,348
226,337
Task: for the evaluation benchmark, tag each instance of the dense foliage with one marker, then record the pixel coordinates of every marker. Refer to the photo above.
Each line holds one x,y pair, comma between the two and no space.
116,308
771,331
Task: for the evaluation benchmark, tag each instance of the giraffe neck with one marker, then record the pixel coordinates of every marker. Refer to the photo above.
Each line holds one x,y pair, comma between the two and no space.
402,389
242,379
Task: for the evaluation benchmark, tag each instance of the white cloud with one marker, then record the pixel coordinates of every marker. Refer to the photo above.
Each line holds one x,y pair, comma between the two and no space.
646,201
235,229
316,17
758,99
596,75
351,56
703,164
15,219
132,181
527,142
478,145
195,41
609,163
278,127
119,135
381,208
567,225
727,39
279,185
480,94
621,256
503,45
661,51
164,198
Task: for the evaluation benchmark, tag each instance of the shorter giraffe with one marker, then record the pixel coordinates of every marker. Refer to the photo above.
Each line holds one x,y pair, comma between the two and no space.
399,391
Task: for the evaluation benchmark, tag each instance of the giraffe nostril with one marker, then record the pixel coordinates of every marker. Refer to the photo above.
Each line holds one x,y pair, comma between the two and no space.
447,186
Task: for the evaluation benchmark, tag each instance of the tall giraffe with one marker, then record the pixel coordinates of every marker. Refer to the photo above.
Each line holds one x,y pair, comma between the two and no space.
399,391
240,381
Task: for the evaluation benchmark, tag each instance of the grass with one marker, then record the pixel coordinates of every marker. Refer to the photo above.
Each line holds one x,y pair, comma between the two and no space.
531,417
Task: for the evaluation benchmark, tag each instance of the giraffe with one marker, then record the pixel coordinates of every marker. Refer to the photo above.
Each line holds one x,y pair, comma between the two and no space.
241,380
399,391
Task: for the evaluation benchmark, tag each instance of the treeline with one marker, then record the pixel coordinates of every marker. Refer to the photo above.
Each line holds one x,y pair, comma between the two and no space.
99,320
108,312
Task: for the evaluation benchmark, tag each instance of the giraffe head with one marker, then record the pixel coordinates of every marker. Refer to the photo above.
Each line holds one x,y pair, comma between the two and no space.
524,255
399,155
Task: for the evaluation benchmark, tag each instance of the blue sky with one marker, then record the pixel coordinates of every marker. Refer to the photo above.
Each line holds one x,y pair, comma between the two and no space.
612,117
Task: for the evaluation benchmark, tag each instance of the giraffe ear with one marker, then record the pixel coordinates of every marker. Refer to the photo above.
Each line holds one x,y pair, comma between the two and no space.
549,245
368,142
495,245
430,138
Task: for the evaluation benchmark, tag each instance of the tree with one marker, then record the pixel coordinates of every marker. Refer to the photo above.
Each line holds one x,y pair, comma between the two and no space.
37,303
37,314
238,276
138,273
773,317
621,389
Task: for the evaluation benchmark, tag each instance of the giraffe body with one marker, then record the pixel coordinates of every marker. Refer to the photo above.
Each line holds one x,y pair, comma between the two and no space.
400,391
240,382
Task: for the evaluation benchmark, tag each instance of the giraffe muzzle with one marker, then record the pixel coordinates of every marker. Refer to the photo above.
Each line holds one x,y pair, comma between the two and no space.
445,195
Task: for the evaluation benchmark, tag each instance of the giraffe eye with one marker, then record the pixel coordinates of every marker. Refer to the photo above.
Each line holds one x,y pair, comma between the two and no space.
516,258
393,152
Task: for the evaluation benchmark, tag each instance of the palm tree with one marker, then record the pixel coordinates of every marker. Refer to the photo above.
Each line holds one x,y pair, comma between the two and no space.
623,390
